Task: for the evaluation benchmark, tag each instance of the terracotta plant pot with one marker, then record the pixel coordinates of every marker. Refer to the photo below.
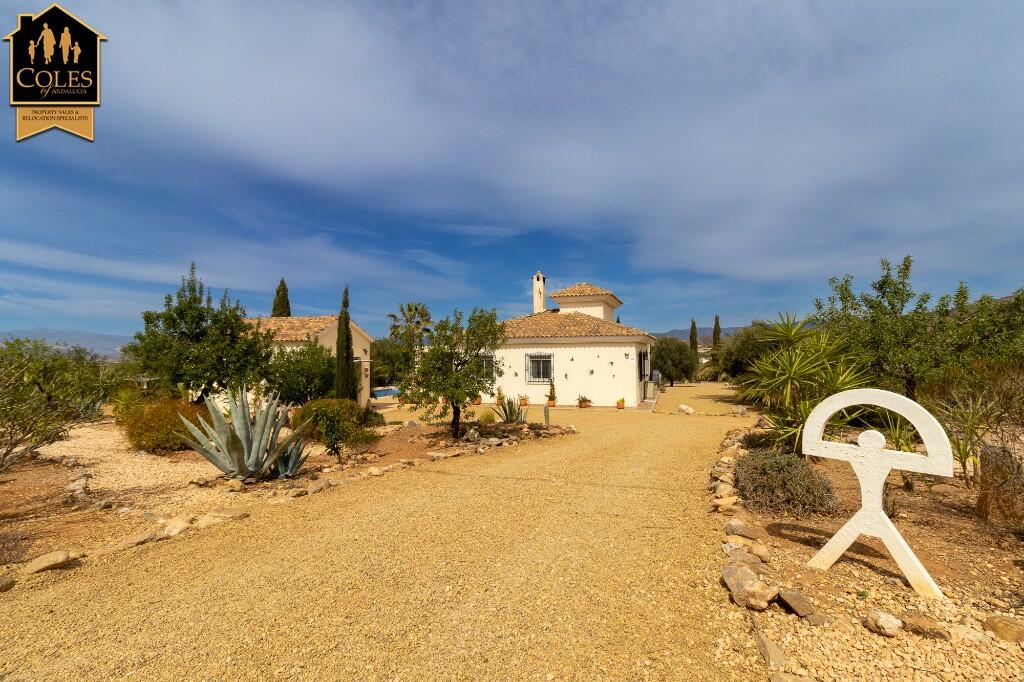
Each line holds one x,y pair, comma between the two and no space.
477,400
523,402
620,405
551,403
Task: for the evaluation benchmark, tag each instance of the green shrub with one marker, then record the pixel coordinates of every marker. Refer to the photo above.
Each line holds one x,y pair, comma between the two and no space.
487,418
338,423
303,374
348,410
783,482
126,400
371,417
510,411
156,426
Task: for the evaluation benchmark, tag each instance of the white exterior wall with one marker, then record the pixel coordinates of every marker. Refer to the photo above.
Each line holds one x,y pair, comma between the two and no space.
594,309
599,370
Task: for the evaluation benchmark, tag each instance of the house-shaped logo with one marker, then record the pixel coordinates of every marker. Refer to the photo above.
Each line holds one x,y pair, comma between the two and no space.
55,72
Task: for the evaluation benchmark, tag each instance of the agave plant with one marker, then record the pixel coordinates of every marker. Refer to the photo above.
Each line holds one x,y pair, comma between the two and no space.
247,446
509,410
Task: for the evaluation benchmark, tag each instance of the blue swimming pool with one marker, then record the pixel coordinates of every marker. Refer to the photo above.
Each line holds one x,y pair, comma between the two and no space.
385,391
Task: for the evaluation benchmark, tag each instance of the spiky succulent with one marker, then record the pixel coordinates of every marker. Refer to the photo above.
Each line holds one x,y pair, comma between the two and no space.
247,446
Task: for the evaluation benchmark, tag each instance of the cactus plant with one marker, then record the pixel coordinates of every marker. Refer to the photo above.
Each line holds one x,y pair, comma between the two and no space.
247,446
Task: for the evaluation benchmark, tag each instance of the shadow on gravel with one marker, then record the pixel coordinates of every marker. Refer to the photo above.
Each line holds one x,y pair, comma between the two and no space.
808,536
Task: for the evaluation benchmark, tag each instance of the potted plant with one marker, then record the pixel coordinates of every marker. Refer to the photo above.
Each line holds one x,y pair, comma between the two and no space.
551,393
524,400
620,404
477,400
583,401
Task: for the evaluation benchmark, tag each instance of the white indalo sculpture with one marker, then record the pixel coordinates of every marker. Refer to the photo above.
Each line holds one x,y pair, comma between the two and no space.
872,463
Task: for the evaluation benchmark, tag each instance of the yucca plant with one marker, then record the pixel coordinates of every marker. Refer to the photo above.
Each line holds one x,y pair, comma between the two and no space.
247,446
806,367
967,419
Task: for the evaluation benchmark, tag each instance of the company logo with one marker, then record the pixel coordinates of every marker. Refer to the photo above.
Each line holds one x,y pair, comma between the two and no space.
55,73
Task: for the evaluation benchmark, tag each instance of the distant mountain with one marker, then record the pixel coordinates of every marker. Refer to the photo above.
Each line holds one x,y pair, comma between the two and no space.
106,345
703,333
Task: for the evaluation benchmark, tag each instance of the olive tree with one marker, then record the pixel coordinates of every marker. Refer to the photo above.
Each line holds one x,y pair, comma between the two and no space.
454,369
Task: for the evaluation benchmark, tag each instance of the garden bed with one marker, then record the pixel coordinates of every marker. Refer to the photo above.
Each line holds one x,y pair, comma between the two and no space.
979,567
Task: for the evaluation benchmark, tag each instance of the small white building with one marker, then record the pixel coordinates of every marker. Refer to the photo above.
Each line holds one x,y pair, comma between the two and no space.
580,346
292,332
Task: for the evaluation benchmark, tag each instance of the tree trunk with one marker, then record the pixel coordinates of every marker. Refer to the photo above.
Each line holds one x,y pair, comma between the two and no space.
456,417
910,387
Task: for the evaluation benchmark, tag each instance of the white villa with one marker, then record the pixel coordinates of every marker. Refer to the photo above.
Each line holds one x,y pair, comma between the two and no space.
578,345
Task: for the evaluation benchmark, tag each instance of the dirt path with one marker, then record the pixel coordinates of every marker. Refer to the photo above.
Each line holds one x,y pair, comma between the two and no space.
586,557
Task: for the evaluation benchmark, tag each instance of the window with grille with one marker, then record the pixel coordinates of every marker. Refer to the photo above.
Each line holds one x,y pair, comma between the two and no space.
487,361
539,368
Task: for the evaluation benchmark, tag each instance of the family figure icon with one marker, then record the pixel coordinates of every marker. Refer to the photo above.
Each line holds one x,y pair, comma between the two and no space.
49,42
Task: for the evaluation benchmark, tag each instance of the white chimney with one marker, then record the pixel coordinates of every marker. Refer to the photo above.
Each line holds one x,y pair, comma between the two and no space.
539,292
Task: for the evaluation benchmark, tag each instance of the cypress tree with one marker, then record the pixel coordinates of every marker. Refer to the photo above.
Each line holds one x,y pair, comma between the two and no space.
716,334
346,377
282,307
693,335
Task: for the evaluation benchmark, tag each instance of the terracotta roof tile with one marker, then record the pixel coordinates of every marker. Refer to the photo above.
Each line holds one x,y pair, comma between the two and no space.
583,289
293,328
556,324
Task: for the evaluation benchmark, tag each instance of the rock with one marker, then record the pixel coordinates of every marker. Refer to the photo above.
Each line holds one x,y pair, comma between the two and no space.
375,471
234,485
883,623
205,521
6,583
412,423
726,478
738,540
233,513
761,551
472,435
725,501
318,486
1005,628
50,560
722,489
796,602
962,633
815,619
745,558
739,411
772,654
80,485
685,409
738,527
134,540
177,525
923,626
745,588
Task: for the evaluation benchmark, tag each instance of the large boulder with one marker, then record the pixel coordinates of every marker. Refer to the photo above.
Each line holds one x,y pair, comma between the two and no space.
6,583
685,409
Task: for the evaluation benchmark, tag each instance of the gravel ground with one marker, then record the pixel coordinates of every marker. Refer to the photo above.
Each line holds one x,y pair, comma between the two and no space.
584,557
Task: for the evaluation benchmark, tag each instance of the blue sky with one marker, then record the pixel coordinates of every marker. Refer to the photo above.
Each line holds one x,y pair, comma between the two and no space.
695,157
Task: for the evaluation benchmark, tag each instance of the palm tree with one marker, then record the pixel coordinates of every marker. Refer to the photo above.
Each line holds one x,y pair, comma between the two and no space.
412,321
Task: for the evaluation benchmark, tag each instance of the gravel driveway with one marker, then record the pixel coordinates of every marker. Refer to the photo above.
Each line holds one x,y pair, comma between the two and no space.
585,557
